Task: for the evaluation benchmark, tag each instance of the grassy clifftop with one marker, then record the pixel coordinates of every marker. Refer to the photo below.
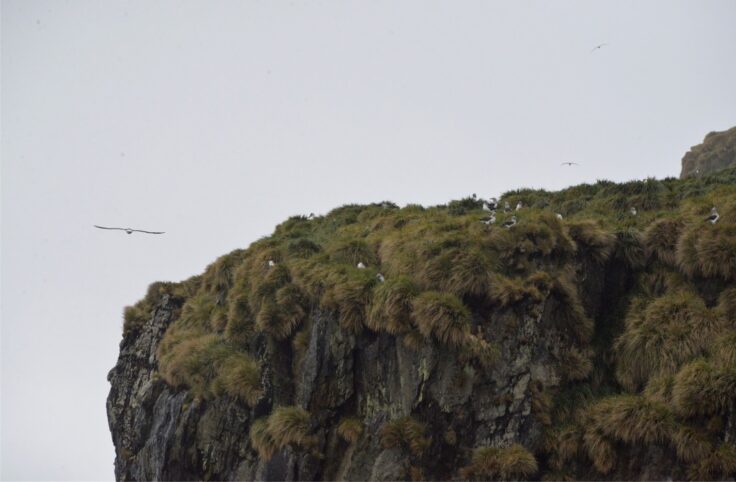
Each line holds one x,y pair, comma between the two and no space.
653,364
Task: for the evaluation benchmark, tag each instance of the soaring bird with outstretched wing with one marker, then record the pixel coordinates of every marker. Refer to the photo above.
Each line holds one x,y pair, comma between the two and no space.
130,230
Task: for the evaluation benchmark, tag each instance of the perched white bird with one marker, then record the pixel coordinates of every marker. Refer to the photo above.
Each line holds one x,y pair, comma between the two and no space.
130,230
506,206
493,203
311,216
486,207
713,218
361,265
559,216
490,219
271,263
633,211
519,205
511,222
380,278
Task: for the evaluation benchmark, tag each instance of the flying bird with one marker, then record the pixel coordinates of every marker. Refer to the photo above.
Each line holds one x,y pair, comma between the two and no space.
597,47
713,218
569,164
130,230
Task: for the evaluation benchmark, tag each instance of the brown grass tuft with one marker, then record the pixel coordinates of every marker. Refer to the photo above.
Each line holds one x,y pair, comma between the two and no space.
509,463
350,429
405,432
660,239
442,316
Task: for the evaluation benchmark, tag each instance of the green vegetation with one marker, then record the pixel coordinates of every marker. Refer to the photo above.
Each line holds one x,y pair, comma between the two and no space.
493,463
642,309
285,426
406,433
350,429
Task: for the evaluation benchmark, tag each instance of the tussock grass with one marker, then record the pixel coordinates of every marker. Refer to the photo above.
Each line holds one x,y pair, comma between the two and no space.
350,429
209,366
671,330
442,316
391,306
703,389
660,239
691,444
630,248
631,419
727,306
567,310
486,354
708,250
718,465
405,433
592,240
576,363
507,463
290,425
261,439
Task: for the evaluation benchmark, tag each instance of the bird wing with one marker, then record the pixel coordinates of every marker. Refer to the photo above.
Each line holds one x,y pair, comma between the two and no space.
103,227
147,232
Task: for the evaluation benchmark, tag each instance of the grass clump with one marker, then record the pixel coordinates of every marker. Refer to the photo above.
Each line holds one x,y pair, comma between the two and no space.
405,433
593,241
350,429
659,338
495,463
261,439
391,306
290,425
660,239
442,316
701,388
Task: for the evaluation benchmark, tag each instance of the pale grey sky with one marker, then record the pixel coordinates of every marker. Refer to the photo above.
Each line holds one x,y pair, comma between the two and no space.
214,121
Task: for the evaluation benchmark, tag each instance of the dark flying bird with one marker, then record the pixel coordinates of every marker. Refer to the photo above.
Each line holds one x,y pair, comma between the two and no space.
130,230
597,47
569,164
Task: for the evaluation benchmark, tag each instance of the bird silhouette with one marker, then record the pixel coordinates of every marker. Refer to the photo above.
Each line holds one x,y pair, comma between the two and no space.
569,164
129,230
597,47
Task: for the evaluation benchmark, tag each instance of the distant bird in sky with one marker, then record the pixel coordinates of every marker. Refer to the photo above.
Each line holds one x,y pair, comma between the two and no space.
633,211
713,218
569,164
130,230
380,278
597,47
511,222
361,265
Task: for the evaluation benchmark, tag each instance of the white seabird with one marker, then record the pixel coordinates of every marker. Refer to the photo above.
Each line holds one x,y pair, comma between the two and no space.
633,211
506,206
519,205
511,222
493,204
361,265
271,263
490,219
559,216
311,216
130,230
713,218
380,278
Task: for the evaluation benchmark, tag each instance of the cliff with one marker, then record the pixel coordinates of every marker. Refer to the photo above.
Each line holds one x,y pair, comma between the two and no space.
596,346
717,152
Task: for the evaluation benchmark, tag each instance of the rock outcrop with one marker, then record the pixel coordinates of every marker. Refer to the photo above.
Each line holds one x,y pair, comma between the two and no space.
717,152
592,347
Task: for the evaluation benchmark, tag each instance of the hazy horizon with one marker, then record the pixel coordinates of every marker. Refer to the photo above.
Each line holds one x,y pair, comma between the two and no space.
216,121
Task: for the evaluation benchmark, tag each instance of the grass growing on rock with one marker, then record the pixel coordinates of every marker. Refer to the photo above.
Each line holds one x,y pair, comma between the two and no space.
661,373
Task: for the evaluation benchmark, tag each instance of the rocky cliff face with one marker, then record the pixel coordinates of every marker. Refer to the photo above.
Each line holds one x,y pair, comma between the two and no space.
563,349
717,152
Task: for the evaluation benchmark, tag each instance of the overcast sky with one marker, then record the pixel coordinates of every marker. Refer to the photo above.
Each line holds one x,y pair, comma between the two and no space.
214,121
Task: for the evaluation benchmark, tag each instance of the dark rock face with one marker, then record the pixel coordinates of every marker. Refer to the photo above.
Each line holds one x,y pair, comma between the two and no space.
165,433
717,152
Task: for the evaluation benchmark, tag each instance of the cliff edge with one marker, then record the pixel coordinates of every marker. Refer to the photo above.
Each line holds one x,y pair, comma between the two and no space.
717,152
